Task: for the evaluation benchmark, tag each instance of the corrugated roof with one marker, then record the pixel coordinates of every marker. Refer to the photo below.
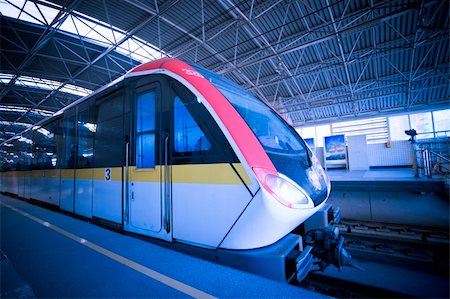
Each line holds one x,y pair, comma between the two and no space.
311,60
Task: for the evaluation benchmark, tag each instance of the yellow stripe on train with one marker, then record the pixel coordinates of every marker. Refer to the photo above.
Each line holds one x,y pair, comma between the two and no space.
221,173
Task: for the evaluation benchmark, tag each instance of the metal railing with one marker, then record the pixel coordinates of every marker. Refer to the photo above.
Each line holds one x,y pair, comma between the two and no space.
434,163
432,155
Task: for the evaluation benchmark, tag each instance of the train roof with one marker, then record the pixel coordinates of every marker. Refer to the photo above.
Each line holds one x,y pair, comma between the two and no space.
236,126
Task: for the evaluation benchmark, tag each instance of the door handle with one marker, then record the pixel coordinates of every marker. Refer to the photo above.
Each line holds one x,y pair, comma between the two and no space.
126,213
167,186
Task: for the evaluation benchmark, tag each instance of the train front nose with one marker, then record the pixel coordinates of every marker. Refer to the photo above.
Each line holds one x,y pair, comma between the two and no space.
298,173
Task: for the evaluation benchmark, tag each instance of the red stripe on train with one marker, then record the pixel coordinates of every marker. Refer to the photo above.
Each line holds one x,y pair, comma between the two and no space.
247,142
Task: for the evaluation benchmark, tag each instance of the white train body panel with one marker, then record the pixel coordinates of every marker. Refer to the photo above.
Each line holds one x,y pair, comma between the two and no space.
107,200
45,189
203,214
264,222
83,197
67,194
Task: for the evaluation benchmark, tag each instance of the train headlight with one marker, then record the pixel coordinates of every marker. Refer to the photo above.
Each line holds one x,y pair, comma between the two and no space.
287,192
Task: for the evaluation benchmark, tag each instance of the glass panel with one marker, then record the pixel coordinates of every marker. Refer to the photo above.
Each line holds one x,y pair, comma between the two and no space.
110,108
85,140
188,135
145,112
145,151
70,149
273,133
422,123
397,127
45,146
108,147
108,125
145,130
442,122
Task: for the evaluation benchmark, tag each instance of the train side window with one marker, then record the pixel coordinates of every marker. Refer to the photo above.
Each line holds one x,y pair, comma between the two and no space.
85,138
188,135
145,130
109,130
70,148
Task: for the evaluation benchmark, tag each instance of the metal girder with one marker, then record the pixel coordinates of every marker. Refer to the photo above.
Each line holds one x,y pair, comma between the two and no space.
362,56
313,41
205,45
323,59
258,38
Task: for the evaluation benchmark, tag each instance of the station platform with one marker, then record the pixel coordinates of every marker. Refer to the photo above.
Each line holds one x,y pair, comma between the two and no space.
386,174
373,173
390,195
47,254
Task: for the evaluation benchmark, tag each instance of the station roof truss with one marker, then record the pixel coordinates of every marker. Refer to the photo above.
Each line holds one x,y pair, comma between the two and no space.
313,61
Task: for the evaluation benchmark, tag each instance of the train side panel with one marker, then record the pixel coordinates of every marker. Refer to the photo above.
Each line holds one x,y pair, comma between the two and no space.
207,200
107,194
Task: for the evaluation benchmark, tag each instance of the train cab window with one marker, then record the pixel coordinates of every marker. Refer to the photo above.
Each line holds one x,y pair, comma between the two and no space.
188,137
145,130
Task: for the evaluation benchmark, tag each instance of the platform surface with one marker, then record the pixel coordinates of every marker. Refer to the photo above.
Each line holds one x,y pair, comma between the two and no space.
60,256
379,174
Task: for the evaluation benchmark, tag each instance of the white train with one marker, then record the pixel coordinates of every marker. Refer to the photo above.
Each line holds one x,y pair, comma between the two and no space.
173,152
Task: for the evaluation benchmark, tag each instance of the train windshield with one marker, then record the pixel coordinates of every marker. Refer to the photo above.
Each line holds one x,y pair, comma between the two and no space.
274,134
285,148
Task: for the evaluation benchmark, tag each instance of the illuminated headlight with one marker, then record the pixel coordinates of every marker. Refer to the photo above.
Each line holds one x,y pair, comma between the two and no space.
287,192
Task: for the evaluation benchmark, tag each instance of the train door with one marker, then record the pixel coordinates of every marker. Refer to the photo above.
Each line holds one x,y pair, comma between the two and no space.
147,174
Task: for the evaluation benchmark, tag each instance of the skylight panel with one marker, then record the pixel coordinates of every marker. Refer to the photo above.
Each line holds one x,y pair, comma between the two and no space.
139,50
105,34
41,83
75,26
7,108
124,48
82,25
30,13
48,12
69,26
90,30
10,10
5,78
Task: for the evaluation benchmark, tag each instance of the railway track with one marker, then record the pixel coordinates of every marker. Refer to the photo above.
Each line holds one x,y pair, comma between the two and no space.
397,251
398,244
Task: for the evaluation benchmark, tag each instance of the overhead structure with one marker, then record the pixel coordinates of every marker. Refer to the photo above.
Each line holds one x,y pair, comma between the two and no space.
313,61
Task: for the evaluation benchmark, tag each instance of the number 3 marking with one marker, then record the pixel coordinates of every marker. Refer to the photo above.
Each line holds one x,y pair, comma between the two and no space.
107,174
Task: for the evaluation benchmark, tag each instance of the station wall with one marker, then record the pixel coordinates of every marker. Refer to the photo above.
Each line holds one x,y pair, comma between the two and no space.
399,154
378,154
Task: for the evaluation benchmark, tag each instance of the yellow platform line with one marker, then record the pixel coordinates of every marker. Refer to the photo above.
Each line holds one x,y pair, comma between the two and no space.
175,284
